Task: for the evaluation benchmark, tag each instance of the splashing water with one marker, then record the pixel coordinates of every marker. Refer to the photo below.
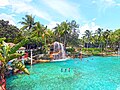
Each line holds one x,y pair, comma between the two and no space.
58,51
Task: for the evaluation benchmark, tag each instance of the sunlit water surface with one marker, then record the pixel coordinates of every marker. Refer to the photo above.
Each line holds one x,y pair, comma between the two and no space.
92,73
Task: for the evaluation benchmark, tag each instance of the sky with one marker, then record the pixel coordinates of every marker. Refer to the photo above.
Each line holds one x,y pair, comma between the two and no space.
89,14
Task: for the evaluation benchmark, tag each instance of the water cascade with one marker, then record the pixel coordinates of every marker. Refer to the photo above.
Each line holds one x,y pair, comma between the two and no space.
57,51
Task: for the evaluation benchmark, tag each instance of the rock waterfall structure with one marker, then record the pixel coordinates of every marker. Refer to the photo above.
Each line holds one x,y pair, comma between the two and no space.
57,51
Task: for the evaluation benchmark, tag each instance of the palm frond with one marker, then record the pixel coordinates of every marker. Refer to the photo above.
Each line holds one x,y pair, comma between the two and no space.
1,58
24,27
21,67
17,46
13,56
2,39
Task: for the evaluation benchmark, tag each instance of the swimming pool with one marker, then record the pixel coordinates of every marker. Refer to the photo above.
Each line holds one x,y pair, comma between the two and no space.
92,73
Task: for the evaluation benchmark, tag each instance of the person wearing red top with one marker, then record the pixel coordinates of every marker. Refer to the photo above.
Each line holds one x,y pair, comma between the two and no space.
26,55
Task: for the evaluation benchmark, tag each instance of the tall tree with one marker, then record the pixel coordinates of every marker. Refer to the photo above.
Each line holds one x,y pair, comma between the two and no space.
58,32
115,39
74,34
67,32
106,36
99,34
28,23
10,32
40,33
88,35
62,30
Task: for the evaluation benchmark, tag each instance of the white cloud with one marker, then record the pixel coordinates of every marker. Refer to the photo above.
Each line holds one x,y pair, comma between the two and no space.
93,19
23,6
20,7
103,5
109,2
118,4
53,24
93,1
88,26
4,3
66,9
8,18
8,2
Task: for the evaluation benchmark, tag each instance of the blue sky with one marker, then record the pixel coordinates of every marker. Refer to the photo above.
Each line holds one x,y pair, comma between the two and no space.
89,14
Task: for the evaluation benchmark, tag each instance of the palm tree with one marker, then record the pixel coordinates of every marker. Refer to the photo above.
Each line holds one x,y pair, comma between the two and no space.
117,37
73,33
6,54
58,32
99,35
114,39
66,30
28,24
83,40
106,36
40,33
37,32
45,35
62,32
51,35
88,35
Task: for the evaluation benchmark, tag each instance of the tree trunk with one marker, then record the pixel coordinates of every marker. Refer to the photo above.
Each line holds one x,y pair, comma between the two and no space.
2,82
87,45
65,41
99,45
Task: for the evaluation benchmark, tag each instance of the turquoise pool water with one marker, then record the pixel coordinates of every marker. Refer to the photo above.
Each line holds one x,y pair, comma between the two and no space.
93,73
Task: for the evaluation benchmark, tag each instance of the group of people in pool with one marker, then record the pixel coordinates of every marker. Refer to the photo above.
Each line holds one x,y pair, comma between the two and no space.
65,70
68,69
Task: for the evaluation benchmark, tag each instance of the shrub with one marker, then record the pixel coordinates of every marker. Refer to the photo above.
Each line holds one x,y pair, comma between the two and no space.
91,49
70,50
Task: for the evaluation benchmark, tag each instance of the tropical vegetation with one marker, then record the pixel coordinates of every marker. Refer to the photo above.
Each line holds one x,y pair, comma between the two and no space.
67,32
8,53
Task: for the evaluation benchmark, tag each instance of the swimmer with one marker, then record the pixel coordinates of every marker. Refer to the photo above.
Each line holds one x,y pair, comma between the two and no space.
65,70
61,70
68,69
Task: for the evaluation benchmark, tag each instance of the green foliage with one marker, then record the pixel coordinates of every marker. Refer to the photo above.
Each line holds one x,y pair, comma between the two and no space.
70,49
8,53
13,56
96,53
67,33
17,46
20,66
91,49
102,39
28,22
10,32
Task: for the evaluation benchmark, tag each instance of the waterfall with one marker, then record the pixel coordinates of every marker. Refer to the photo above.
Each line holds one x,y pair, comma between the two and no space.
62,50
58,51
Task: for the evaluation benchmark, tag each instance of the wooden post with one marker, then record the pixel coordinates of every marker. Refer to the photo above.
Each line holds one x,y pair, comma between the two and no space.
31,56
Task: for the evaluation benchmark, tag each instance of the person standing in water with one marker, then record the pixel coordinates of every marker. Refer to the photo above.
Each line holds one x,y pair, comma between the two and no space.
80,54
